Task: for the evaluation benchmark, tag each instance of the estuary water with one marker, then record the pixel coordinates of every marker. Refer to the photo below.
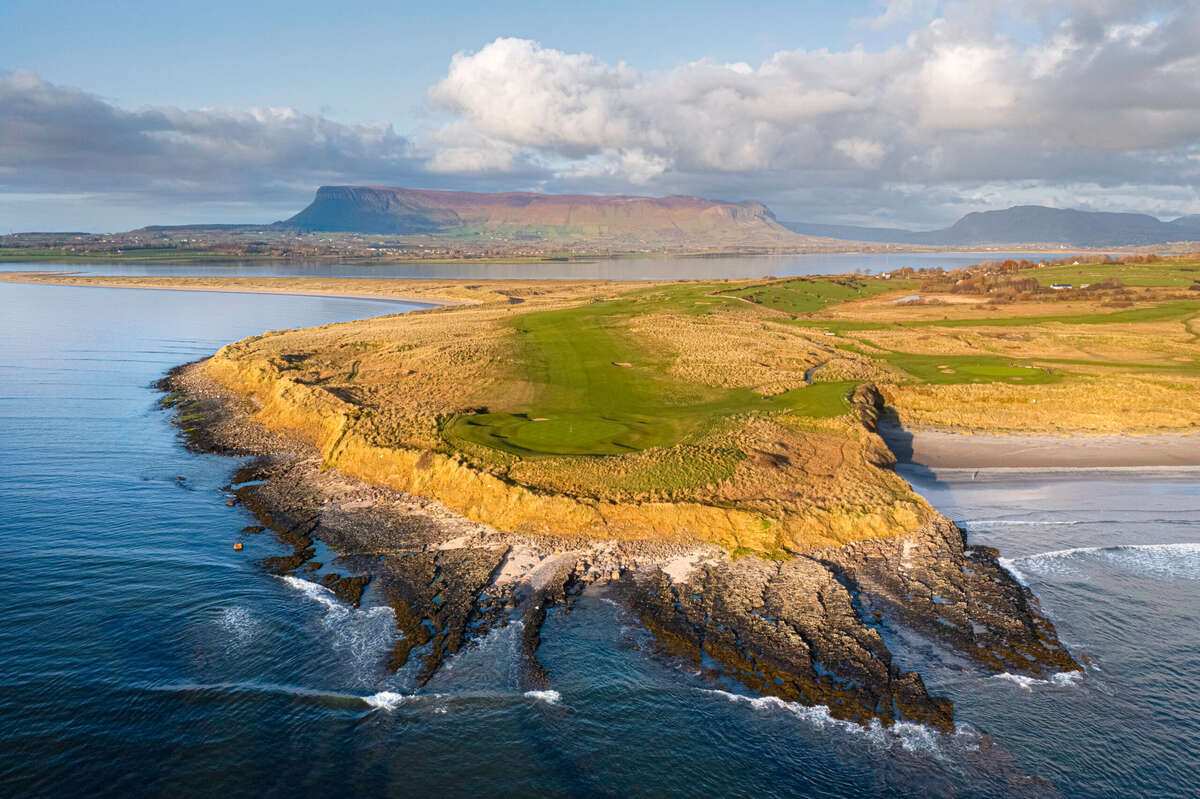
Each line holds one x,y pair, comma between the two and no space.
141,655
656,268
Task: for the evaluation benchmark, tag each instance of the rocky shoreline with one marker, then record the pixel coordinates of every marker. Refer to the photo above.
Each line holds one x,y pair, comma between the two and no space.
805,629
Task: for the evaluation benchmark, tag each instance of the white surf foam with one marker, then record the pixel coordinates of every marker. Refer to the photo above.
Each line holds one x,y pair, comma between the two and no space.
1010,566
364,634
385,700
312,590
238,622
1162,560
909,736
549,697
1062,679
1018,522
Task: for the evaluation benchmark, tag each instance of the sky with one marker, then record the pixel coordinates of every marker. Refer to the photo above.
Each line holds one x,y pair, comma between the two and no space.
903,113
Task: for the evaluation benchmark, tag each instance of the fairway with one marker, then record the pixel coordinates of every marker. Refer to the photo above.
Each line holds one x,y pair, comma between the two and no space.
600,393
808,295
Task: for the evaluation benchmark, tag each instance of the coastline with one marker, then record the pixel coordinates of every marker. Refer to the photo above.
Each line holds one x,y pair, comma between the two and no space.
38,278
940,449
451,580
792,628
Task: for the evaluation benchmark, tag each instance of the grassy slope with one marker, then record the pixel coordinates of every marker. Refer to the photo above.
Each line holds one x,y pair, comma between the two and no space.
807,296
589,404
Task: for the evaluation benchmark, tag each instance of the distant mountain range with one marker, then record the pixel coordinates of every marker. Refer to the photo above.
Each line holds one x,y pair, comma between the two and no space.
524,223
1026,224
619,221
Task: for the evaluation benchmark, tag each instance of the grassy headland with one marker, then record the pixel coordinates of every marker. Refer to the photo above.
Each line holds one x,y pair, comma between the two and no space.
726,411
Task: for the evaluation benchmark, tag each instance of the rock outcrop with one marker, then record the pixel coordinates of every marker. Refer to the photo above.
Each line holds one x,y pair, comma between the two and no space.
803,628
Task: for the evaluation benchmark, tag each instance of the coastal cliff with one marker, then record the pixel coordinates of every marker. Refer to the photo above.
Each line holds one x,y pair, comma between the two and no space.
705,454
803,627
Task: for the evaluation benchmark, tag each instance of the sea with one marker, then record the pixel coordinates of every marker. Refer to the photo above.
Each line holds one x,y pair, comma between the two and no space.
140,655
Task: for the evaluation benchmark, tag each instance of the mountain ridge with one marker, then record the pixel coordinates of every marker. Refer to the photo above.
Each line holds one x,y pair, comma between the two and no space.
1026,223
675,220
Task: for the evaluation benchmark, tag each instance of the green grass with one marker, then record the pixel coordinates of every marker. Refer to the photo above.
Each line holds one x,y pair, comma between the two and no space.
588,405
970,369
808,295
1171,311
1163,273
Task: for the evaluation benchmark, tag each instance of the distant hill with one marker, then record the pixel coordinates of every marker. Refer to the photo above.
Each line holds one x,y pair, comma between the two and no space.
651,222
1027,223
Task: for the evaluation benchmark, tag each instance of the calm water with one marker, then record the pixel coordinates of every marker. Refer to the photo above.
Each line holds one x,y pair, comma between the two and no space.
747,266
141,655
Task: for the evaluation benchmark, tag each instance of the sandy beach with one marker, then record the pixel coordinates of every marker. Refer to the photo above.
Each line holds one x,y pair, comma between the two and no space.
945,450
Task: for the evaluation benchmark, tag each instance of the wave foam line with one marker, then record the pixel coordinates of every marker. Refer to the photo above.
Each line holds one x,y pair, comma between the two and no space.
279,689
1025,523
314,591
910,736
1172,560
549,697
1062,679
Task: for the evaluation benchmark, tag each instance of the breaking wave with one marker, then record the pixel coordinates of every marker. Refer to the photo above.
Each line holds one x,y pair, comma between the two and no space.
1062,679
386,700
1021,522
1159,560
909,736
549,697
363,635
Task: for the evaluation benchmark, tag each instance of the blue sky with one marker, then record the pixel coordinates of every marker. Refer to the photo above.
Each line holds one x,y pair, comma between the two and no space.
908,112
365,61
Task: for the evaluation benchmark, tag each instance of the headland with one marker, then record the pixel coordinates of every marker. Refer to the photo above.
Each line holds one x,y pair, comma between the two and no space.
708,453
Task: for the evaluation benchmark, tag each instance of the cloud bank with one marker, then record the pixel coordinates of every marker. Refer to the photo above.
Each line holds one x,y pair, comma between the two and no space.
1108,97
983,104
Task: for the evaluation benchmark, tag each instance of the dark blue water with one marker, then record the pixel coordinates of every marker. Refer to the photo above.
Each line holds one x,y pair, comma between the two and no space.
658,268
139,654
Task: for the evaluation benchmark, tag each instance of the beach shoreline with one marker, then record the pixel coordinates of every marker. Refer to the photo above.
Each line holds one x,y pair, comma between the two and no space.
940,449
107,282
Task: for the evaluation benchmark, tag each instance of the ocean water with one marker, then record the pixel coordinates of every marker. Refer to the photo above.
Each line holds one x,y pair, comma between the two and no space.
141,655
656,268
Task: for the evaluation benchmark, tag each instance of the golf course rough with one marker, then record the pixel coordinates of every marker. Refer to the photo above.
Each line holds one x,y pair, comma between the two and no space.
739,413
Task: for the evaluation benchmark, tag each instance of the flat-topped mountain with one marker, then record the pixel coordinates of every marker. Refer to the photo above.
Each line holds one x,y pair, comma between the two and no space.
634,221
1028,223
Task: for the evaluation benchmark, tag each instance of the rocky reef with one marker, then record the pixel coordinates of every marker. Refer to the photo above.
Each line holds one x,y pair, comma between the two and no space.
805,627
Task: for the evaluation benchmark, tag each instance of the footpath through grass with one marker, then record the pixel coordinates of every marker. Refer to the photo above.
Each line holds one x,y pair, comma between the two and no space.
599,392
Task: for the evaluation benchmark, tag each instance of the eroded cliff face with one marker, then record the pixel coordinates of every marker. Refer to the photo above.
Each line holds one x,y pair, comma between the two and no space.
804,628
766,513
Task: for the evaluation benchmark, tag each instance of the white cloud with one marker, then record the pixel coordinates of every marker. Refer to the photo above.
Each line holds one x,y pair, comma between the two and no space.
864,152
1107,93
1101,96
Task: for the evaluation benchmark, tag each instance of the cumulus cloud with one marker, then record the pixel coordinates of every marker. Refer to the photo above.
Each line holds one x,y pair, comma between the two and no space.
64,140
1107,94
1085,103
